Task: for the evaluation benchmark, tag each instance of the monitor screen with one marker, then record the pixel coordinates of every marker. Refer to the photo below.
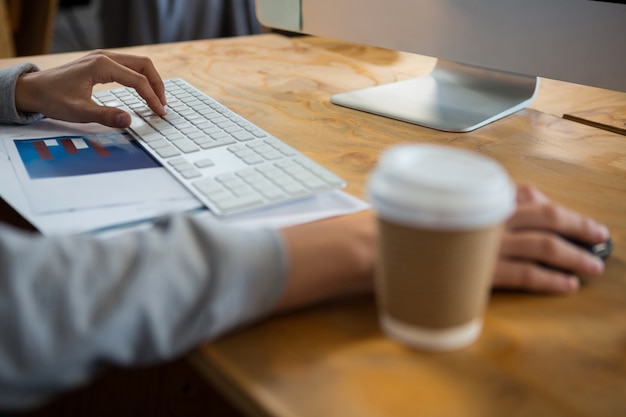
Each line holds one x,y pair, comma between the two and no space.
490,52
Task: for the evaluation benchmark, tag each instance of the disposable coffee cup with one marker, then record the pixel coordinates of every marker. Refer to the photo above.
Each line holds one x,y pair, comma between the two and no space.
440,215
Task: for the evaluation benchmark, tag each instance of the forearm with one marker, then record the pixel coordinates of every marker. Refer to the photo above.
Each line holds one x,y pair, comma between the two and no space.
329,258
70,305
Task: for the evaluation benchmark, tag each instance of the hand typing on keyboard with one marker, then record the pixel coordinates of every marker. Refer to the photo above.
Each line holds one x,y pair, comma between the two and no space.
227,162
64,92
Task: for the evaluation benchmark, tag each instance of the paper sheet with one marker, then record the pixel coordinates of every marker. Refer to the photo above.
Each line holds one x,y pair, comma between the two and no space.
119,198
73,172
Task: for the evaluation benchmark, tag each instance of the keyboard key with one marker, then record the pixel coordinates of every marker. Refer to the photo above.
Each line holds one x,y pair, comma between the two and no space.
207,186
159,143
239,203
204,163
167,152
185,145
177,162
190,173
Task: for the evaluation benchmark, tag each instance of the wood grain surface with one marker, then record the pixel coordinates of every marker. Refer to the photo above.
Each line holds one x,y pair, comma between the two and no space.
537,356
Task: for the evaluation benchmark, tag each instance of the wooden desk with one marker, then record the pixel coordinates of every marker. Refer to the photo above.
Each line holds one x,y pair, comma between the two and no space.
595,107
538,355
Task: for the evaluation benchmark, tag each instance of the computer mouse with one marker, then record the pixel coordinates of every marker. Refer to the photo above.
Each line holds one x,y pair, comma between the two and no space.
602,250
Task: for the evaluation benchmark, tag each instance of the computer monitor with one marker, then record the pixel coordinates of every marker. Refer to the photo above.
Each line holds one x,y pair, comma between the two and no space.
489,53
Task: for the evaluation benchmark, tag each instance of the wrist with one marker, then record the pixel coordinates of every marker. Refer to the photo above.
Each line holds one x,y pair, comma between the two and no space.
27,98
329,258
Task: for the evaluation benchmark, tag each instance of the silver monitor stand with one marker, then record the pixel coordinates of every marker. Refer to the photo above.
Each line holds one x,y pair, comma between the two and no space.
453,97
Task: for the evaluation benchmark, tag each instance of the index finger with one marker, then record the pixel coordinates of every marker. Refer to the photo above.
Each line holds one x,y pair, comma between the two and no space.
145,66
560,220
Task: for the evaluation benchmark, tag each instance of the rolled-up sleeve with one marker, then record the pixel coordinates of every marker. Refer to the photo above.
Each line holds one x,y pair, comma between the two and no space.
71,305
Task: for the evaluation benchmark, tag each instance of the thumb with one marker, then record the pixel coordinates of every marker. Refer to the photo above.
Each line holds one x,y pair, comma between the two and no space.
108,116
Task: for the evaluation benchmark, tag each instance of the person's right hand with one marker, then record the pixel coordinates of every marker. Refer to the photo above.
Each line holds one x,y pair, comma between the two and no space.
537,256
65,92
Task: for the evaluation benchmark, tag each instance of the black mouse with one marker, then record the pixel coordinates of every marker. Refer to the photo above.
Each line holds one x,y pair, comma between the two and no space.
602,250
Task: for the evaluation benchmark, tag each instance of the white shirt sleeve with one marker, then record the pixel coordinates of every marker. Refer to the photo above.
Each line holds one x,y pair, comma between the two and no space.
70,305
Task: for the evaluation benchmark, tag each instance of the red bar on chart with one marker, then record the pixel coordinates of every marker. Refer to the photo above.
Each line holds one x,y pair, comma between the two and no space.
98,148
42,150
68,145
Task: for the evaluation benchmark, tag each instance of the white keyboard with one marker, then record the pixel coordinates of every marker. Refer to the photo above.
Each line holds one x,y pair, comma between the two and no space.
226,161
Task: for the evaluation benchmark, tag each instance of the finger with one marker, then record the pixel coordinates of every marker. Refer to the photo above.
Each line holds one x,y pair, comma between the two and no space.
142,65
511,273
560,220
108,116
107,70
527,193
551,250
130,78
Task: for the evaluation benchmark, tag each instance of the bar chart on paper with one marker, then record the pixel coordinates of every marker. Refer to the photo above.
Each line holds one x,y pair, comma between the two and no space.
73,172
81,155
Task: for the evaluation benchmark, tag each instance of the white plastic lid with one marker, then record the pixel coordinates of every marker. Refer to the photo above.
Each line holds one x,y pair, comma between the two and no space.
440,187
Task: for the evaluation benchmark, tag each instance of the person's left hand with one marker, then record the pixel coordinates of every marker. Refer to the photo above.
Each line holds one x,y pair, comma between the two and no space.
65,92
